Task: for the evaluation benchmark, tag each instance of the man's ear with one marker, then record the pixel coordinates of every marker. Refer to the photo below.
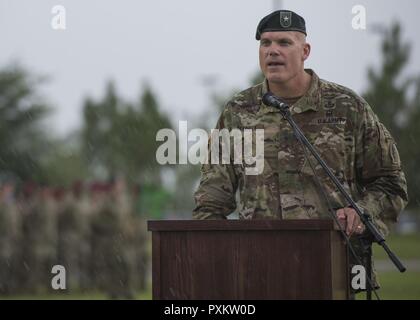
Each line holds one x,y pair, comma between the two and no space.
306,51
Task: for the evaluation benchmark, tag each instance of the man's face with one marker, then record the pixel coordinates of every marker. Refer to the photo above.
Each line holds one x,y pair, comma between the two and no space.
282,54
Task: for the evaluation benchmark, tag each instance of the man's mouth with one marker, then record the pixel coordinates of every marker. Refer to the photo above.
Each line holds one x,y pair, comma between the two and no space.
275,64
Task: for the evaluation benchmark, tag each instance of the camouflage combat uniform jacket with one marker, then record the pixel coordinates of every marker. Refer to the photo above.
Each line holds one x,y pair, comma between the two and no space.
346,133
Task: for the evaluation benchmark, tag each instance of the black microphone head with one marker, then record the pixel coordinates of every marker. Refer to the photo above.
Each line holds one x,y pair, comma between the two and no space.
269,99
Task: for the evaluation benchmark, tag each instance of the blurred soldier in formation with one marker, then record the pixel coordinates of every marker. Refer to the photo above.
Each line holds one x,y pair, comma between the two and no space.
98,237
140,242
26,204
70,233
111,231
40,239
83,208
9,237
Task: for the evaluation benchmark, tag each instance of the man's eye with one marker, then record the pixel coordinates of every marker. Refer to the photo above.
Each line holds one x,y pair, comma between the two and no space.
284,43
265,43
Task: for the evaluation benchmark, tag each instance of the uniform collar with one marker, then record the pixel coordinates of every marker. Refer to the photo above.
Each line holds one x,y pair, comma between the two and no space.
309,101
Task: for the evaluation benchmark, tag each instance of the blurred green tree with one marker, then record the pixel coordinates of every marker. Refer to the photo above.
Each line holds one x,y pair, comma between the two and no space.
23,141
119,138
143,143
390,93
98,142
65,163
387,90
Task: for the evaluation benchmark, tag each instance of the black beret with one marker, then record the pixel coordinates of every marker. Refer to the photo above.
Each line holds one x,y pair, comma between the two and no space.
281,20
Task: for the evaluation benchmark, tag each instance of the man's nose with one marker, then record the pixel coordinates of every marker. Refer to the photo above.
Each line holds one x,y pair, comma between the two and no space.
273,51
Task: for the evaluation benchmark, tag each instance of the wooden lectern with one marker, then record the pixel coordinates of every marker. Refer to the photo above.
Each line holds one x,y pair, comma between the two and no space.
248,259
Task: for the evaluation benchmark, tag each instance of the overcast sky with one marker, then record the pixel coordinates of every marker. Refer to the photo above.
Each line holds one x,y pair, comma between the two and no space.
174,44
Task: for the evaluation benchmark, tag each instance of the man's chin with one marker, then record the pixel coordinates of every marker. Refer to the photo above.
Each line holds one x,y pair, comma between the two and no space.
275,79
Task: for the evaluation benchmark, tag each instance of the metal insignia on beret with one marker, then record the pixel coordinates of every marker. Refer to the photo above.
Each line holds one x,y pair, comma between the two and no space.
285,19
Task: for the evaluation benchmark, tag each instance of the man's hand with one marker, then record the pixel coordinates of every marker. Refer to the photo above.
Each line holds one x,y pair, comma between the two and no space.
350,221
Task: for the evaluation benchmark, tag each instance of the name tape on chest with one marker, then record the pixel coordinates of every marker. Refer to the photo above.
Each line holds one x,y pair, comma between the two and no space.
329,120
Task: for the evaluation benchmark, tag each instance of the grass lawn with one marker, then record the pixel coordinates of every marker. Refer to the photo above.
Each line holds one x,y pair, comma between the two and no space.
404,246
400,285
58,296
146,295
397,286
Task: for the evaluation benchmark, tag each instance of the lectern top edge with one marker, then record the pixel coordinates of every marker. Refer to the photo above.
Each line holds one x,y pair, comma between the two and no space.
245,225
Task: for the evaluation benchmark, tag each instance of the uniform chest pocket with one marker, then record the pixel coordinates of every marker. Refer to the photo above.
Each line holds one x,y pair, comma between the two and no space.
290,156
251,150
334,148
282,152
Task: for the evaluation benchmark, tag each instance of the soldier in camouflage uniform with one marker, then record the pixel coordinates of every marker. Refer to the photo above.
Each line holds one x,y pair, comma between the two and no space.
82,206
10,234
27,203
40,240
110,233
70,241
339,124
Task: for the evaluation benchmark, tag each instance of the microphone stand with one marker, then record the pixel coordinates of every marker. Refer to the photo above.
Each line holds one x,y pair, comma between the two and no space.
365,218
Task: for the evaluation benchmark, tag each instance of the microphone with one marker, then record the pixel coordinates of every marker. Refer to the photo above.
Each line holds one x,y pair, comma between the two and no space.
271,100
